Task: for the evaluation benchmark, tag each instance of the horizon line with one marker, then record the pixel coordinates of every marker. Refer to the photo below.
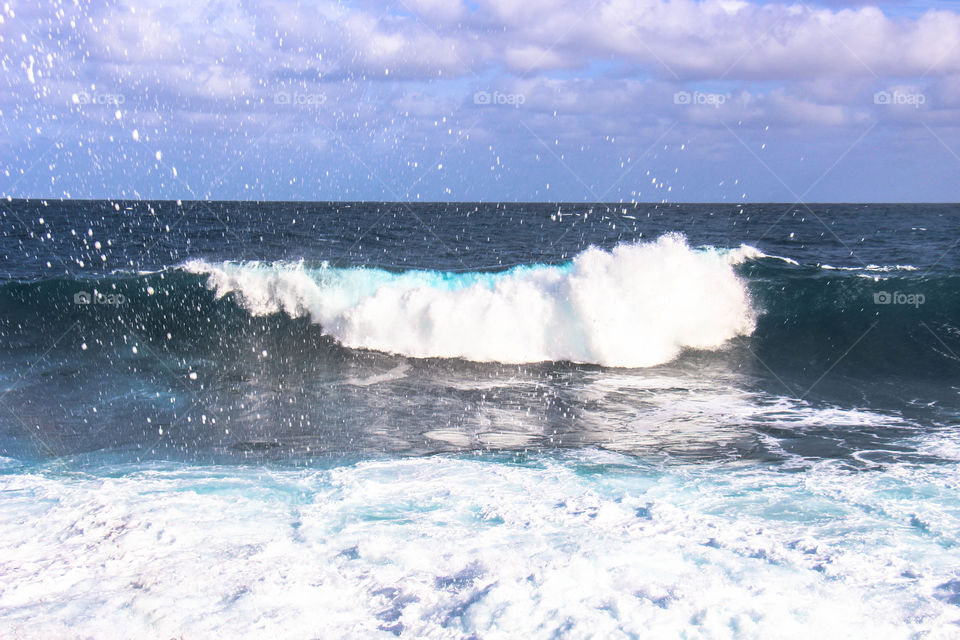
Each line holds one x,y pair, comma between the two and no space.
497,202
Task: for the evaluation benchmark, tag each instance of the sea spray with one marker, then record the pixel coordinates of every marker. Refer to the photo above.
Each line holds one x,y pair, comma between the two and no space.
636,305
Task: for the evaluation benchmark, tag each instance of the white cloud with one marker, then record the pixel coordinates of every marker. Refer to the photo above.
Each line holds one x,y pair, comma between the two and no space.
429,39
740,40
393,71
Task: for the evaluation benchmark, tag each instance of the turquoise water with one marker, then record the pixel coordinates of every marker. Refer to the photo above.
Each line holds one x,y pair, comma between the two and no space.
579,544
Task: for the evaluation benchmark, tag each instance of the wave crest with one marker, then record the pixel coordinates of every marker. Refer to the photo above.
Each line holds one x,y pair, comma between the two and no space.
636,305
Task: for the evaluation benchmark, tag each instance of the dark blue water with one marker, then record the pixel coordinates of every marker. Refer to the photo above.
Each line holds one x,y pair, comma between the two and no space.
819,335
754,394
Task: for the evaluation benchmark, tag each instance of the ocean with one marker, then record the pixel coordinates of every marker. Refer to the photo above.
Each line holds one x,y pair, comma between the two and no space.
478,420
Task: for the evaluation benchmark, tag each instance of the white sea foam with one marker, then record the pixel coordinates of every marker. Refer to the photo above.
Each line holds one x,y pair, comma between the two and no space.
396,373
746,252
634,306
453,547
872,268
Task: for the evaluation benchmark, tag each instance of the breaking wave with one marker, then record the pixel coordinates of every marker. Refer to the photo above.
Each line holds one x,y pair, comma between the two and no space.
636,305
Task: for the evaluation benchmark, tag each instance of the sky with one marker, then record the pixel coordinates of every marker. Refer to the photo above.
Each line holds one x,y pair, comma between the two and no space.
492,100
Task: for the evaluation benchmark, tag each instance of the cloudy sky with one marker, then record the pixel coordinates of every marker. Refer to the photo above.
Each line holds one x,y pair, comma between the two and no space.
575,100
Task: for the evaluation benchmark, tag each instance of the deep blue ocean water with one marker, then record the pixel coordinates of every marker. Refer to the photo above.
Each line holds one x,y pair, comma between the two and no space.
479,420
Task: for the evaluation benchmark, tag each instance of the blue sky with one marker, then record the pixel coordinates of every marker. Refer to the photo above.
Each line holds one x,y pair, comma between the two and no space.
604,100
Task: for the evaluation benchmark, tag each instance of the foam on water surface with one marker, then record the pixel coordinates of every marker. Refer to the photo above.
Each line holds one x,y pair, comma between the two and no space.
582,545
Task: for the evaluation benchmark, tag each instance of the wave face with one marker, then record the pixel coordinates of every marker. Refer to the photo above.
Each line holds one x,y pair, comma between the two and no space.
636,305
